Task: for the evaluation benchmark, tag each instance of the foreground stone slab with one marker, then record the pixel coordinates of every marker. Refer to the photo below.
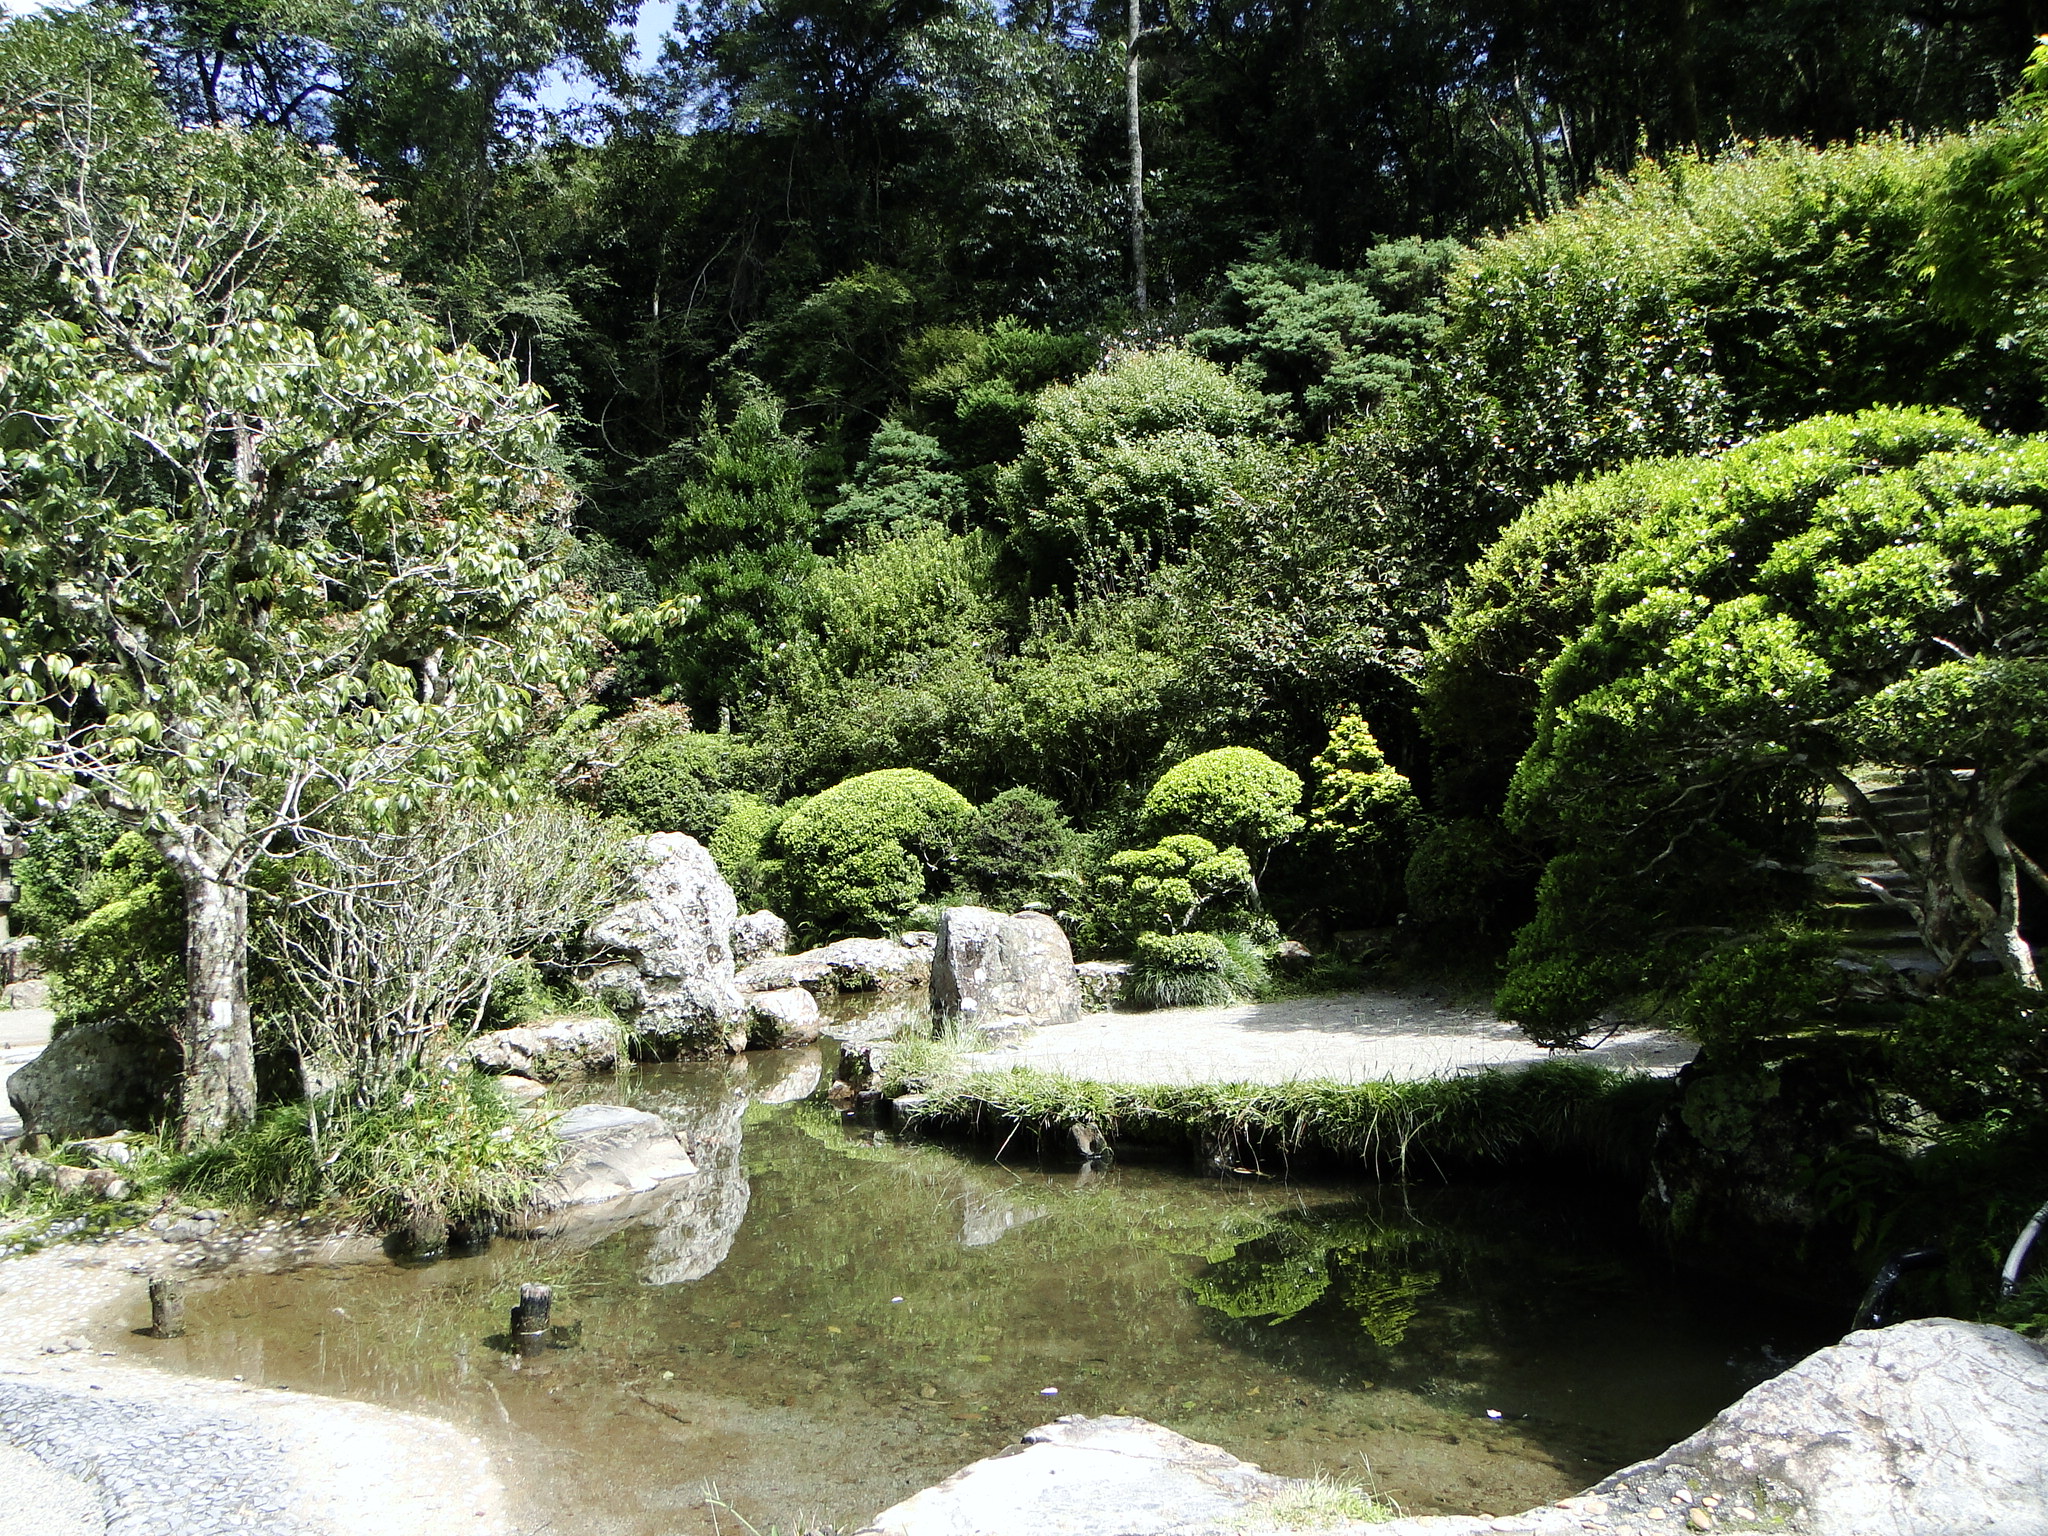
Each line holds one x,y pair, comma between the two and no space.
1109,1476
1929,1428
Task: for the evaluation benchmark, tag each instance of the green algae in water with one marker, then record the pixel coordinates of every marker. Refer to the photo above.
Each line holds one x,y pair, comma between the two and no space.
824,1322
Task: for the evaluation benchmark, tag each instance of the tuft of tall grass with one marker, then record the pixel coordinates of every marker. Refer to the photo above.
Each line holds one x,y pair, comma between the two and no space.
1194,970
1556,1108
446,1142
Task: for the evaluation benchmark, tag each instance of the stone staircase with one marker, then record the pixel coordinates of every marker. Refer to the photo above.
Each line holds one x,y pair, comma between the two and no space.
1851,860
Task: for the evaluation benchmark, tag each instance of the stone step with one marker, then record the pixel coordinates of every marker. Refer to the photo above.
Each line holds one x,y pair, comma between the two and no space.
1887,939
1864,914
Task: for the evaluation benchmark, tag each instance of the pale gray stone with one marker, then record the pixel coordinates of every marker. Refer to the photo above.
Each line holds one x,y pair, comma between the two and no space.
785,1016
669,954
548,1049
1928,1428
26,994
759,936
1102,983
1001,972
1109,1476
849,965
610,1152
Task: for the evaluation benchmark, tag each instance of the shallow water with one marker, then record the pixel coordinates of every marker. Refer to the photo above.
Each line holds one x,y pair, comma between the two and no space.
823,1322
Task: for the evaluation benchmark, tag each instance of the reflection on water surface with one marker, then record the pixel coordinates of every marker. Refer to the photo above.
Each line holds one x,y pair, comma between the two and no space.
819,1325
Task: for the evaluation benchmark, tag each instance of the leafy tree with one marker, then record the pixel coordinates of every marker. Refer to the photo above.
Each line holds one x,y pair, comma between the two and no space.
260,570
1334,343
904,483
857,857
1753,641
1132,461
734,547
1363,820
1019,849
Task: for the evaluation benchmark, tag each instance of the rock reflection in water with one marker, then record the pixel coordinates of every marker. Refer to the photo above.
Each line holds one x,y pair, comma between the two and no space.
696,1225
984,1218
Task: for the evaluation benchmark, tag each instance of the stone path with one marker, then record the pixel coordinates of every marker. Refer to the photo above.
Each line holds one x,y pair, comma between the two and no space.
91,1445
1344,1037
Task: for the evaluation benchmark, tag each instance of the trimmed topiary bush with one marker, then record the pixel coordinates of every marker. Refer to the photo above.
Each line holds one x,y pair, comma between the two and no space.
856,858
1181,882
1362,822
1231,795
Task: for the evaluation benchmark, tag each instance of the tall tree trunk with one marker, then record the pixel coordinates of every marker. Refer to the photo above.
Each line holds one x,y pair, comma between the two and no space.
220,1049
1137,143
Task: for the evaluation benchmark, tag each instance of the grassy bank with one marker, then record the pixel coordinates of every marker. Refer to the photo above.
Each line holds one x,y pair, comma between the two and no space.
1556,1111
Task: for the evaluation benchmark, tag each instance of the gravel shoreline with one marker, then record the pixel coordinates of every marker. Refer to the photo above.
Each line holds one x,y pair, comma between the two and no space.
108,1447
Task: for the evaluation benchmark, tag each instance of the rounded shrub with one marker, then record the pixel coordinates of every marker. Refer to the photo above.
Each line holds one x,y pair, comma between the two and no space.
739,846
1191,970
1231,795
856,857
1019,849
1182,882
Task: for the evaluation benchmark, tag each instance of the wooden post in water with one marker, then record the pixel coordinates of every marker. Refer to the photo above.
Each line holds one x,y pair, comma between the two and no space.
530,1318
166,1308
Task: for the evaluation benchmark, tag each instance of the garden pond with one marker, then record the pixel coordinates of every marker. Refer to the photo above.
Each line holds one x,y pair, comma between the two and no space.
823,1321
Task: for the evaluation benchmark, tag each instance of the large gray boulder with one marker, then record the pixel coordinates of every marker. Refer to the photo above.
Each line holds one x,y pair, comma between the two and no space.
1928,1428
786,1016
548,1049
1111,1476
849,965
95,1079
999,972
667,957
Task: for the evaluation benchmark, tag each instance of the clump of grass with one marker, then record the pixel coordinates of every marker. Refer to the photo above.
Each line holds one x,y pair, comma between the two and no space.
1317,1503
1194,970
1485,1118
445,1142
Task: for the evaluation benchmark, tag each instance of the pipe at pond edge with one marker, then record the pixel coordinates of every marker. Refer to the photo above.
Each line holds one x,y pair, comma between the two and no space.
2015,1261
1875,1312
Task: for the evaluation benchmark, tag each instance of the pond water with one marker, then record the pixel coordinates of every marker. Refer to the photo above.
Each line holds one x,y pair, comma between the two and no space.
823,1322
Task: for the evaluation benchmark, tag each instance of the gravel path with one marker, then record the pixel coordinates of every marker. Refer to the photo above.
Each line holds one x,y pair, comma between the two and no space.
92,1444
1345,1037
